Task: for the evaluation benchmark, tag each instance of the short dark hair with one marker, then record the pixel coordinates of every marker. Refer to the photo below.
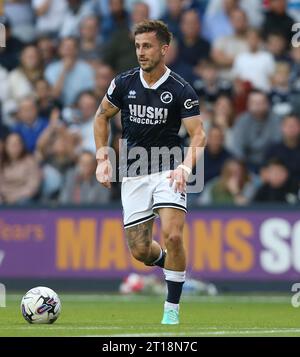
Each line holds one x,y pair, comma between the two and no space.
275,161
160,28
291,115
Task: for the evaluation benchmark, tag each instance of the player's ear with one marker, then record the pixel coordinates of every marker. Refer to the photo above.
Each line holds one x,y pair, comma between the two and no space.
164,49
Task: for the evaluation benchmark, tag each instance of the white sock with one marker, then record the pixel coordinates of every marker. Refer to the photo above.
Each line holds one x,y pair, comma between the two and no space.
177,276
169,305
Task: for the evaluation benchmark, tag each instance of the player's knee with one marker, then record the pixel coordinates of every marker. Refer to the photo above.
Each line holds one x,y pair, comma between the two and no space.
173,241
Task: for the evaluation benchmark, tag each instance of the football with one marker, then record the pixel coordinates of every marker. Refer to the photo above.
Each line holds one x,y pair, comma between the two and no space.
40,305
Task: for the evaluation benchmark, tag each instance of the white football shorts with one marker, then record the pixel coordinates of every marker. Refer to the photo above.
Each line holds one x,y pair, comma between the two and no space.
142,195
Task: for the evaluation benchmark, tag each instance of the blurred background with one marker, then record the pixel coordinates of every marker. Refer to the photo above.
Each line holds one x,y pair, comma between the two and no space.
59,227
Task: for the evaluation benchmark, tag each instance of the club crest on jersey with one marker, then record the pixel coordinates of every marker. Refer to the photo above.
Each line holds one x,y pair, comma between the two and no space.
166,97
132,94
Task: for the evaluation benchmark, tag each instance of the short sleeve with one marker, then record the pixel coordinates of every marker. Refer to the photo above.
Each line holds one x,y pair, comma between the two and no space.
189,102
114,92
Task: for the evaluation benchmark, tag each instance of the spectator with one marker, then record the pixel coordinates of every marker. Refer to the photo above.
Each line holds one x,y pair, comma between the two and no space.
140,12
172,16
235,185
120,52
69,76
210,86
255,130
101,8
56,146
295,67
47,49
215,153
241,91
46,103
192,47
174,61
283,96
288,149
21,80
30,125
4,131
77,10
277,20
20,176
87,105
226,48
21,17
217,24
276,44
117,20
279,185
256,66
50,15
224,118
81,185
104,76
3,88
9,55
156,8
253,9
91,47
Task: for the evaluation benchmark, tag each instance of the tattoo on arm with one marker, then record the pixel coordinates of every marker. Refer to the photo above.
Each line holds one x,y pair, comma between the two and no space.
103,110
140,234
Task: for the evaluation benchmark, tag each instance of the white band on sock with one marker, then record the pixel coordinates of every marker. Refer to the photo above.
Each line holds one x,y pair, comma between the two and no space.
177,276
169,305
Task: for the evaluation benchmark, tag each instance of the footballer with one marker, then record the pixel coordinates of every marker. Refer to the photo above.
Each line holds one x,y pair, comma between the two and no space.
154,102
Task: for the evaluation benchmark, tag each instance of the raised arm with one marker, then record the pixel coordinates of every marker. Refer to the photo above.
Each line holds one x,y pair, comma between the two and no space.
104,113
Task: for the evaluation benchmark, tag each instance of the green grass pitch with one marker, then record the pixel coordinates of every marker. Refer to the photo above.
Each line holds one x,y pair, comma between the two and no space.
113,315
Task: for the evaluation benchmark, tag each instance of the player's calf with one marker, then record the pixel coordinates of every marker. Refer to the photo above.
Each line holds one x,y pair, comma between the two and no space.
141,245
141,254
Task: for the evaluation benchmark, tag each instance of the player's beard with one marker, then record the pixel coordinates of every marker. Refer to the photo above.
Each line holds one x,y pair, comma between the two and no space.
150,66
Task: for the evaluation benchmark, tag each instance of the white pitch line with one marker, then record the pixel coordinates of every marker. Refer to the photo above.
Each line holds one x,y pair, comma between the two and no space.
203,333
53,328
202,330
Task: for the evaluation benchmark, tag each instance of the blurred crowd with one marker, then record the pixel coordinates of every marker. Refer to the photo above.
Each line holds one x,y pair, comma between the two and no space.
61,56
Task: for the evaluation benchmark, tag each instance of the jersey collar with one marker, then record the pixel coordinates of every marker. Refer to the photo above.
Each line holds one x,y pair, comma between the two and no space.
158,83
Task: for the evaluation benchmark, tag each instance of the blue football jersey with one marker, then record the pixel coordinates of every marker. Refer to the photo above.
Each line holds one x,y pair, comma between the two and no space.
151,116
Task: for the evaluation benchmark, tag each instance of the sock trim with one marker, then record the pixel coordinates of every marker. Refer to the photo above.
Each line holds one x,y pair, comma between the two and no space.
160,256
176,276
171,305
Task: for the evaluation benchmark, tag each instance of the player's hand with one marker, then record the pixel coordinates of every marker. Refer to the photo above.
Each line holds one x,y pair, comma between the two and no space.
178,178
104,172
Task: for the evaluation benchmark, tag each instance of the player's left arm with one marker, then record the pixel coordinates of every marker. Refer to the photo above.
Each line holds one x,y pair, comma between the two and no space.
194,127
195,150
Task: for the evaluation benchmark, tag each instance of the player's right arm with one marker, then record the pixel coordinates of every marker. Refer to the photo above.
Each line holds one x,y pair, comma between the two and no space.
104,113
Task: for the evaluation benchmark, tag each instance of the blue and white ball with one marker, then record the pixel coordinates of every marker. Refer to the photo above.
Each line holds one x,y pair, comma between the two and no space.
41,305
